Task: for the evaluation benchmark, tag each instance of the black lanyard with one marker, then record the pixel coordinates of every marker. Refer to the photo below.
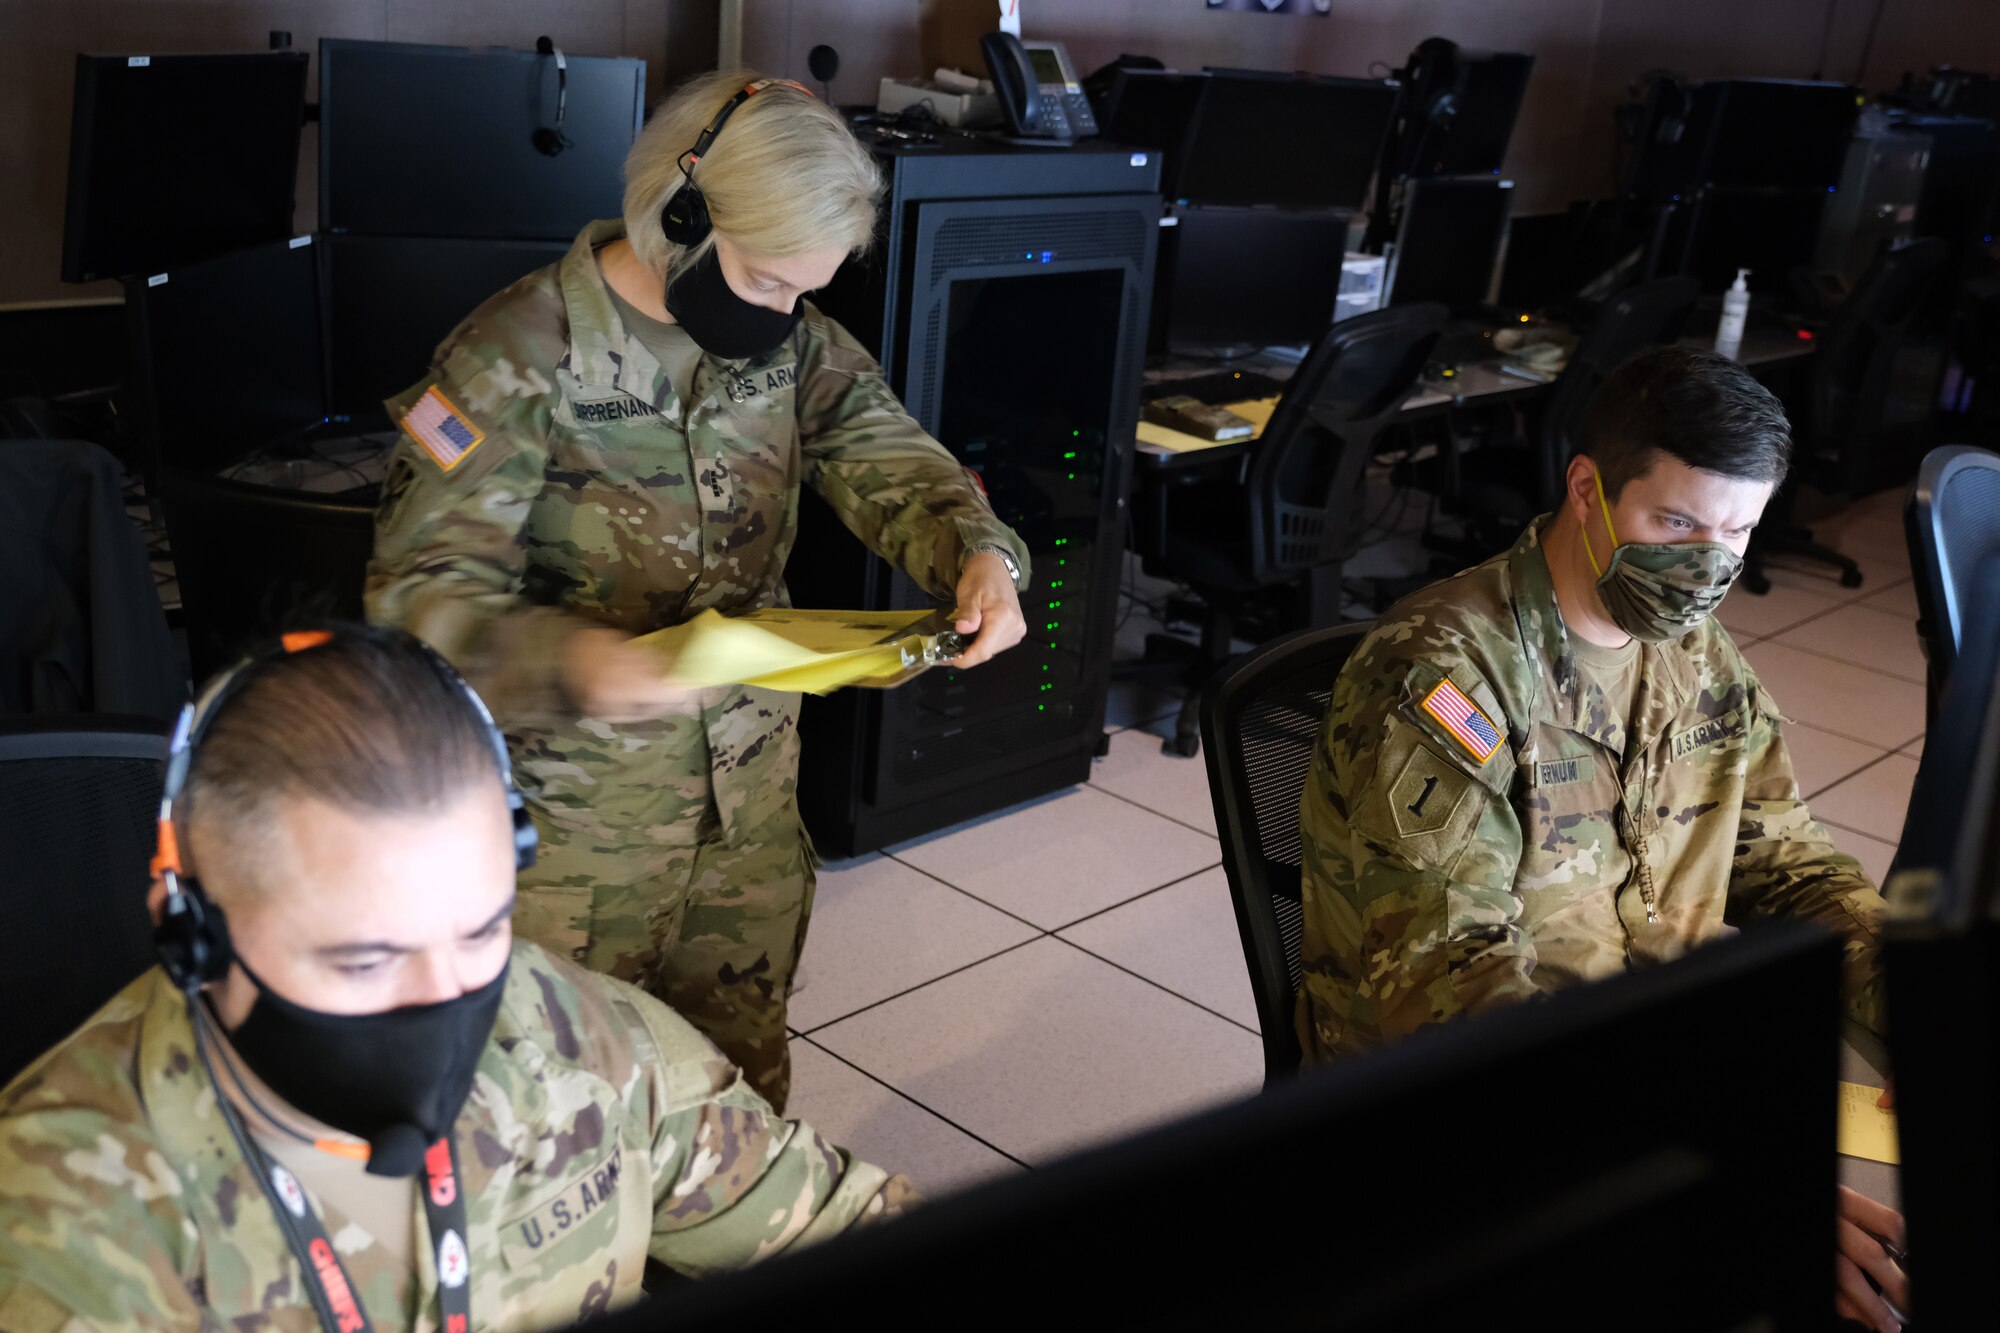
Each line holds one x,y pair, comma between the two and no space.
339,1304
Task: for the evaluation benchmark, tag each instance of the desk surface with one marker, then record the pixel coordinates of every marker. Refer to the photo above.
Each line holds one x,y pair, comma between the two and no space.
1878,1180
1761,346
1476,382
1480,383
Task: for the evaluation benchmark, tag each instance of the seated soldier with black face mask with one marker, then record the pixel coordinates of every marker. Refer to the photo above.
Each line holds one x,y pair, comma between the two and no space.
348,1098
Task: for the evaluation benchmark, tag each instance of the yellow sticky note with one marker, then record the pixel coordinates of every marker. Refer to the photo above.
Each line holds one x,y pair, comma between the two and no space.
1866,1130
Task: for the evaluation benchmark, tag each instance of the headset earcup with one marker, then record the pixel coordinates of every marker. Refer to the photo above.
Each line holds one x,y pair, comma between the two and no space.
526,837
192,939
685,217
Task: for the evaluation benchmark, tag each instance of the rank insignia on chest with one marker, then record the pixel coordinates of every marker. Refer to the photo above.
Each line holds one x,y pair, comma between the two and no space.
1462,720
444,432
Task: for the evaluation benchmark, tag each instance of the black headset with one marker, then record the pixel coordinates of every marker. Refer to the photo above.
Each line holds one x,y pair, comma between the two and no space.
685,217
548,141
192,938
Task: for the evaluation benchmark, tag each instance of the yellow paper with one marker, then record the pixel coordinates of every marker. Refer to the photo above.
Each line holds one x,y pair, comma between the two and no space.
1256,411
781,648
1866,1130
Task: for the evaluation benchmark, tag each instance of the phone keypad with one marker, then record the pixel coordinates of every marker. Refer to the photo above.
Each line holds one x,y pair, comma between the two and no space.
1054,120
1080,120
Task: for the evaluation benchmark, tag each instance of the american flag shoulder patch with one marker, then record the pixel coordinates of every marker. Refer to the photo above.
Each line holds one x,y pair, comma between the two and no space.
1462,720
445,433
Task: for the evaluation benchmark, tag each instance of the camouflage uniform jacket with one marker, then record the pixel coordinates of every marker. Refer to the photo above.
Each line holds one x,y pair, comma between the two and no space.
581,490
601,1129
1438,881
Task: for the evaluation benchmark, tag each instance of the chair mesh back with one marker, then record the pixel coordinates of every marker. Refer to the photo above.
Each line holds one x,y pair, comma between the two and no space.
76,835
1307,469
1260,722
1968,525
1279,727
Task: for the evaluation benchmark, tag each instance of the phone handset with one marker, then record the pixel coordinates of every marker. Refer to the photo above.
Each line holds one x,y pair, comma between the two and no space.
1018,87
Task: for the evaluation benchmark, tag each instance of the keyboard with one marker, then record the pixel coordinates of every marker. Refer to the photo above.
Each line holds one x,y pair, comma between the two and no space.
1223,386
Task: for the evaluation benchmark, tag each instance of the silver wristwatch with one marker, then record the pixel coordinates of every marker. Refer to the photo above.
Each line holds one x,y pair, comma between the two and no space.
1006,558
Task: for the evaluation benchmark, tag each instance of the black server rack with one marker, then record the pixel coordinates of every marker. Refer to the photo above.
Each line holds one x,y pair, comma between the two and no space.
1006,298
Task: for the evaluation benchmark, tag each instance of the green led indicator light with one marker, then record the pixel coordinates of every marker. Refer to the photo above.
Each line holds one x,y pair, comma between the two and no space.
1075,433
1054,605
1051,625
1045,666
1070,454
1062,541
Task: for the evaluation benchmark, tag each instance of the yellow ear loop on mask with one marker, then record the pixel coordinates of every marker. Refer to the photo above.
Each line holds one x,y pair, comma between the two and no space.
1598,477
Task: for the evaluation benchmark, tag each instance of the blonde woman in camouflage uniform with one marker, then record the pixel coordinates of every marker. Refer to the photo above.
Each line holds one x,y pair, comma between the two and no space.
618,442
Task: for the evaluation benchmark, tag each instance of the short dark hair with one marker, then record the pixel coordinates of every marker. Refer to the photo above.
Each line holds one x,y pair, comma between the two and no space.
1702,409
364,721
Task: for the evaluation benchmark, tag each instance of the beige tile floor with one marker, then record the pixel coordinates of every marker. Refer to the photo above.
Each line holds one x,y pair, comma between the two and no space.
1002,993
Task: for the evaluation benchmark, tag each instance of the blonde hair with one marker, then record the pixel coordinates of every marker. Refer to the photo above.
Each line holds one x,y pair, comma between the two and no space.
785,175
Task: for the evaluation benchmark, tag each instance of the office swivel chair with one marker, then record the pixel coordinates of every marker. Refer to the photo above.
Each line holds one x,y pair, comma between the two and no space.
1499,489
1847,387
1292,521
78,799
1259,723
251,559
1952,523
81,625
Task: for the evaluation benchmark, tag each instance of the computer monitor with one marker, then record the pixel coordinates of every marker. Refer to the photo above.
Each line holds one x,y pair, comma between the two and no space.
174,159
1741,133
439,140
1941,951
1248,277
1289,141
390,300
226,354
1769,232
1652,1153
1153,108
1471,135
1449,241
1771,133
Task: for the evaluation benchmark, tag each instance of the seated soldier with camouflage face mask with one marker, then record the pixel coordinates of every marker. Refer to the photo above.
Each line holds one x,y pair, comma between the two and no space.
348,1098
1556,766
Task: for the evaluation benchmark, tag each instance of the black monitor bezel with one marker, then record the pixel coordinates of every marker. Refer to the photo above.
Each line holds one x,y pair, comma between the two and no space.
78,200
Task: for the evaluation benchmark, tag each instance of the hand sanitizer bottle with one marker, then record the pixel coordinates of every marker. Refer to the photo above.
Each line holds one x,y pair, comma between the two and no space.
1735,314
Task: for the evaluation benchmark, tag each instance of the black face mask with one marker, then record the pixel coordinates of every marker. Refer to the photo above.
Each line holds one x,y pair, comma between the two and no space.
396,1079
720,321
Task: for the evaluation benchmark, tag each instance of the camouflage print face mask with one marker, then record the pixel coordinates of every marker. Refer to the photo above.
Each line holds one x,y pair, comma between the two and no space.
1660,591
